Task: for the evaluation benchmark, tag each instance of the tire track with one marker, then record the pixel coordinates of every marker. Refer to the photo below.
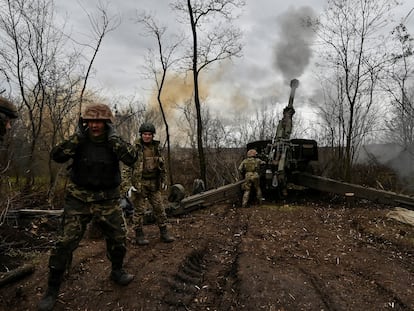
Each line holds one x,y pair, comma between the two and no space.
207,277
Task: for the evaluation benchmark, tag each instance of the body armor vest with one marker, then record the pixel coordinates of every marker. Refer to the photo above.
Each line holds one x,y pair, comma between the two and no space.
251,165
95,167
150,158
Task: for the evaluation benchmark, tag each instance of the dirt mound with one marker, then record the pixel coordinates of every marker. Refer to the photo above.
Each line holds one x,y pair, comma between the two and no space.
302,255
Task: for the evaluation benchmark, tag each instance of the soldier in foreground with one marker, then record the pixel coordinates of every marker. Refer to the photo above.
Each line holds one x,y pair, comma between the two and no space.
147,177
92,194
7,112
249,168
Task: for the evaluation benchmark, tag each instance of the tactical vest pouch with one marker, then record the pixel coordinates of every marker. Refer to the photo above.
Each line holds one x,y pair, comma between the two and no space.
150,164
250,166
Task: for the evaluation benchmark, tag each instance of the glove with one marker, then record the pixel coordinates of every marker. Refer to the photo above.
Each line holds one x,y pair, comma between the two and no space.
127,207
130,190
81,129
111,132
164,186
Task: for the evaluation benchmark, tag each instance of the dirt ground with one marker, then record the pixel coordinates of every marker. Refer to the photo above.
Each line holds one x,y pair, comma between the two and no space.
312,252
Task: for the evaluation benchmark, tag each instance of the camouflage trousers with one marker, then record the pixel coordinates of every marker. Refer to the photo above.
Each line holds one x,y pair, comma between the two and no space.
149,189
108,217
252,181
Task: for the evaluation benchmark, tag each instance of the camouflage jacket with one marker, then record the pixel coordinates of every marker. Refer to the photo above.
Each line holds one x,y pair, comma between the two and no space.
150,165
68,149
3,122
250,165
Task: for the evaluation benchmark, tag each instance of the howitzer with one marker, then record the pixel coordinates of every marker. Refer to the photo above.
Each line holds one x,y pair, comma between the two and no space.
282,154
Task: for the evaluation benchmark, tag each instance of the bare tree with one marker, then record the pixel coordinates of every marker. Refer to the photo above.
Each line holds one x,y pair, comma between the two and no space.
101,24
400,126
32,54
398,82
63,89
352,37
158,69
189,117
260,124
210,44
128,119
222,162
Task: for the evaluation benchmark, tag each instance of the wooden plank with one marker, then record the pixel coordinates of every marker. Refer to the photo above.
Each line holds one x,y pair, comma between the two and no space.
230,192
16,274
35,212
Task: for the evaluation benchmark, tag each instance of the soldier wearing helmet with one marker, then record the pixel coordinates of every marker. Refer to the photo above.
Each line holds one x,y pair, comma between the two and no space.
92,194
147,178
249,168
7,112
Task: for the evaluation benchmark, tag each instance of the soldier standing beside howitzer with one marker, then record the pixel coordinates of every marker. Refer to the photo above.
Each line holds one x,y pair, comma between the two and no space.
249,168
92,194
146,178
7,112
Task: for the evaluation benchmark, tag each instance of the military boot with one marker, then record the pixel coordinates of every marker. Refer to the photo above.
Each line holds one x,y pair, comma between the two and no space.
165,236
140,238
245,199
48,301
120,276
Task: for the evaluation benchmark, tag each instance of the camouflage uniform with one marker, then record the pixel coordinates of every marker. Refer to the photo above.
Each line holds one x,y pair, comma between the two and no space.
147,176
7,111
82,204
250,168
92,194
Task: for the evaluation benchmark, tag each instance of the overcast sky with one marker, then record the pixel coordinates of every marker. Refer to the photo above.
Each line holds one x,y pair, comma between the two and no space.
265,23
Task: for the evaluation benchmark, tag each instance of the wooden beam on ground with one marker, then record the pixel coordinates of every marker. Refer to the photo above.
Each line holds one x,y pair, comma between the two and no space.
16,274
35,212
231,192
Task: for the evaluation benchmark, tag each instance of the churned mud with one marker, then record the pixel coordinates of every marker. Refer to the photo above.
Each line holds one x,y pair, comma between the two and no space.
302,254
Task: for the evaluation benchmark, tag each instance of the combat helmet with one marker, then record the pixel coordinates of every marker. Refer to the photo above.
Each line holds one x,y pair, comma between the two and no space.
147,127
98,111
7,108
251,153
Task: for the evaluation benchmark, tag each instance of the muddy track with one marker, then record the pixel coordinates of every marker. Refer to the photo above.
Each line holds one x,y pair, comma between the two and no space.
274,257
208,277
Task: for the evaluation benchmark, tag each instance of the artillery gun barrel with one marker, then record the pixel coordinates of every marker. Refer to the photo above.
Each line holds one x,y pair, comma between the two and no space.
293,86
284,128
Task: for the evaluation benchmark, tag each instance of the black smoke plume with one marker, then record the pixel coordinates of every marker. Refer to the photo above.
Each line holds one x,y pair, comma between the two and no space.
293,50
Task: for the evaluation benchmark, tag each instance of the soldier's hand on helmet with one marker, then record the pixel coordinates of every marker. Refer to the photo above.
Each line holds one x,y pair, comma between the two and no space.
111,132
81,129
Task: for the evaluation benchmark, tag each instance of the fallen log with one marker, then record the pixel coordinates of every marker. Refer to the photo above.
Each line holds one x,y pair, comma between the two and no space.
16,274
35,212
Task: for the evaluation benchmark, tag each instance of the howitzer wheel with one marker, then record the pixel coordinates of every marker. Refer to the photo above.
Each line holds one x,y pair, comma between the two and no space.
177,193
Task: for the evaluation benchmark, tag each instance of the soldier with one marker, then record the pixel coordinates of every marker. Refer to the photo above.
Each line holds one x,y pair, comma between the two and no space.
249,168
147,177
92,194
7,112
